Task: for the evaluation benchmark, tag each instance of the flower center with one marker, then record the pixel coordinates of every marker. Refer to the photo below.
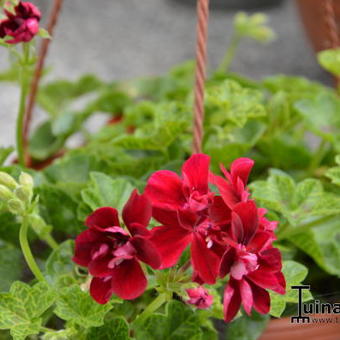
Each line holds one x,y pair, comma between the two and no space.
246,263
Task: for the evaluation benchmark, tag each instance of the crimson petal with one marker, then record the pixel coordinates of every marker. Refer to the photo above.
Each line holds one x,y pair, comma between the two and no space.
128,280
164,189
204,261
227,261
241,168
170,242
103,218
146,251
137,210
261,299
246,296
266,280
100,289
195,171
247,211
231,300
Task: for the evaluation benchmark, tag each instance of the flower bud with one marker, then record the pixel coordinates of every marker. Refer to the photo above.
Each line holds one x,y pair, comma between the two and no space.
16,207
39,225
26,180
5,193
199,297
24,194
7,180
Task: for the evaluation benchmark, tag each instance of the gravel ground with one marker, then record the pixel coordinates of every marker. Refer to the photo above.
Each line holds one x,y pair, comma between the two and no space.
128,38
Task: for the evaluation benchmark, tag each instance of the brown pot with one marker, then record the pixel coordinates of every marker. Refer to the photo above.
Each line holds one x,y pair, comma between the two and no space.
283,329
313,18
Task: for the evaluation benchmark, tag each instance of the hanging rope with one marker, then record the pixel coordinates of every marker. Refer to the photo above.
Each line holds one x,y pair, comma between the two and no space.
201,61
332,28
52,22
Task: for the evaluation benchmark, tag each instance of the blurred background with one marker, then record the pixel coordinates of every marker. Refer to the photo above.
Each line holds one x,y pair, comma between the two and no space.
132,38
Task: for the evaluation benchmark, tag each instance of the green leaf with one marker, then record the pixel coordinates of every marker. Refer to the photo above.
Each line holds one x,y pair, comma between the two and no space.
294,273
321,114
116,329
44,34
44,143
322,243
178,323
4,153
60,262
334,173
105,191
247,327
21,309
77,306
298,203
330,60
253,26
228,105
11,265
62,217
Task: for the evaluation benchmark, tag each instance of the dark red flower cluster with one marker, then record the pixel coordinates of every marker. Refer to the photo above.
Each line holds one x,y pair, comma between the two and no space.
22,25
226,233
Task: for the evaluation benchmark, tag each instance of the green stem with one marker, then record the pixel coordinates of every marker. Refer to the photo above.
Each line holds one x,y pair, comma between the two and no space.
318,156
153,306
27,251
50,241
230,54
22,104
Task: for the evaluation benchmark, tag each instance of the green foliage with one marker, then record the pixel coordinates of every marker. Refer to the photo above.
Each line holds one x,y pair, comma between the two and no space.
4,153
330,60
247,327
253,26
11,266
294,274
116,329
334,173
76,306
22,308
178,323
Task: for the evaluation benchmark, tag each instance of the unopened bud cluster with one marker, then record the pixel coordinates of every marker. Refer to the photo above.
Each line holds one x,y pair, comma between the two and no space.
17,196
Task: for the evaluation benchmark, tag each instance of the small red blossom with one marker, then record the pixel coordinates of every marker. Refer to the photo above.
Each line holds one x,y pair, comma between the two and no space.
233,189
113,255
199,297
23,25
252,263
188,211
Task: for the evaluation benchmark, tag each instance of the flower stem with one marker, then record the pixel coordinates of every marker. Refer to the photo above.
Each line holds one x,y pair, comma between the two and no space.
22,104
153,306
230,54
27,251
50,241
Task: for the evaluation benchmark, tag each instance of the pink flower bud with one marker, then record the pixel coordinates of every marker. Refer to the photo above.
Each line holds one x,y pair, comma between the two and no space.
23,25
199,297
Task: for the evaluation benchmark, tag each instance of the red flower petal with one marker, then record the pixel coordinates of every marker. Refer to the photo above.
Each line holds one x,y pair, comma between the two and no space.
204,261
128,280
100,266
231,300
260,241
146,251
227,261
164,189
170,242
84,244
137,210
261,299
270,259
103,218
246,296
266,280
247,211
219,212
100,289
241,168
195,172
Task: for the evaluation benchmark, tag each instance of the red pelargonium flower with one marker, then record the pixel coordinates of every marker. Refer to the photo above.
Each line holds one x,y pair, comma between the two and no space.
253,264
233,189
199,297
23,25
188,211
112,255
